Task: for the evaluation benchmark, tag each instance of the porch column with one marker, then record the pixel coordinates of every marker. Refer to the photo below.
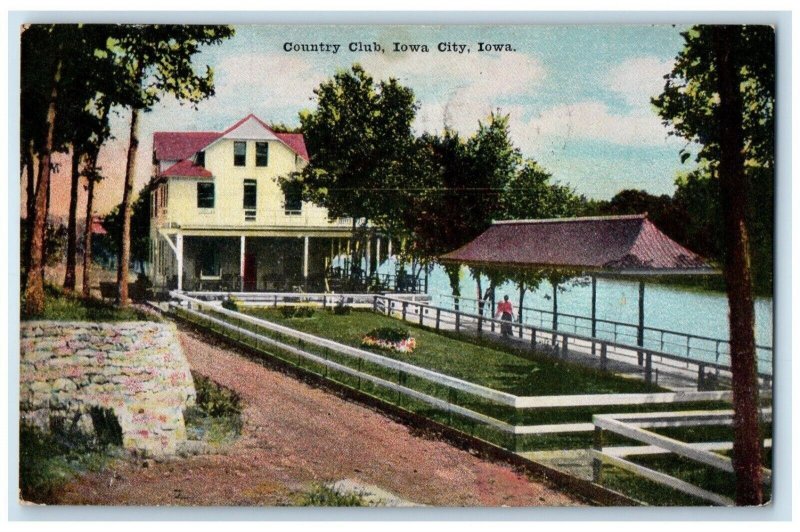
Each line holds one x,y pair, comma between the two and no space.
179,244
377,252
389,249
241,264
368,265
305,263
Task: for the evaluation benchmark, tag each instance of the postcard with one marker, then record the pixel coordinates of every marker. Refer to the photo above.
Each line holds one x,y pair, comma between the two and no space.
396,265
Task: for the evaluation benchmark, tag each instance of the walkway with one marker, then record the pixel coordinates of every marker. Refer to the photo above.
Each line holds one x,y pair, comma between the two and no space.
295,435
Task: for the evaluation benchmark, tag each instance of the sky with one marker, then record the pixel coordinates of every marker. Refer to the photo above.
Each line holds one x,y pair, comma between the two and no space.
578,96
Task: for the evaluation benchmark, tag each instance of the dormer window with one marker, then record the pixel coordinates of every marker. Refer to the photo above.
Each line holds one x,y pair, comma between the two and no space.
200,159
239,153
262,153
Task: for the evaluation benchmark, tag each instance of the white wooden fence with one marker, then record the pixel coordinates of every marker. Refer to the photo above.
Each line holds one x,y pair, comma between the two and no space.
241,326
633,426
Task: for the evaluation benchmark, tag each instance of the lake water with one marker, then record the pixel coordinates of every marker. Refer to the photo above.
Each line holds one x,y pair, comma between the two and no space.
670,308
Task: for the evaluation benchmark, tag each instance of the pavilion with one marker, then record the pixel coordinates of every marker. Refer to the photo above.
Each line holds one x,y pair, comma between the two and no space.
628,246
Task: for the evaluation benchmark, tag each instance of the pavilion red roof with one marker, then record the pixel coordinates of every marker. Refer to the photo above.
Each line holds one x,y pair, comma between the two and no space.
625,244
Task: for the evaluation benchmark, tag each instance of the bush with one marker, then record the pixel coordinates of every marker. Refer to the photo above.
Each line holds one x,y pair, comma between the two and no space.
48,460
217,415
341,309
326,496
291,311
390,334
230,303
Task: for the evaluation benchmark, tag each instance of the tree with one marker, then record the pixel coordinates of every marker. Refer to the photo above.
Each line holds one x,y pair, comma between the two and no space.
460,193
139,226
720,94
44,130
158,61
360,142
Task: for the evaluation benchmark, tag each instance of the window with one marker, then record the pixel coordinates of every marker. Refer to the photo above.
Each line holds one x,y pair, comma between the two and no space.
293,200
249,203
209,260
262,153
205,195
239,153
200,160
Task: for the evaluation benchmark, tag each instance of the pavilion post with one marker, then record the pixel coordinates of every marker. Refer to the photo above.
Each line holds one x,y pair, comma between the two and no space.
594,310
640,329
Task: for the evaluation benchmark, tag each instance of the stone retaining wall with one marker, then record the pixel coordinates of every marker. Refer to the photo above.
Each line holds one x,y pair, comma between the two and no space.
136,369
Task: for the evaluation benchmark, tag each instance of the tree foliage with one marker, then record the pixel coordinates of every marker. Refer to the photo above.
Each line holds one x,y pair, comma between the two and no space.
360,142
689,105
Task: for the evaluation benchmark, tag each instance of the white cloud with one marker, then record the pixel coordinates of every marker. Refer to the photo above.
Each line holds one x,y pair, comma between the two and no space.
587,120
459,91
639,79
266,80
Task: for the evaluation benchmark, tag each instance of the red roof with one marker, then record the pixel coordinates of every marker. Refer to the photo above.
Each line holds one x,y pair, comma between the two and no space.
630,244
296,142
179,145
176,146
186,168
97,226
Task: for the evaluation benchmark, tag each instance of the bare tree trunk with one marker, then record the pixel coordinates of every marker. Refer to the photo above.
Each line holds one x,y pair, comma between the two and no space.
34,285
72,229
86,288
738,280
125,238
30,199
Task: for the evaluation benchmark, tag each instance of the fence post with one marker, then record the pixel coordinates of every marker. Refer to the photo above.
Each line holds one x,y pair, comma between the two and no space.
564,345
275,300
325,302
389,307
421,313
405,308
597,464
458,322
648,368
701,377
603,356
533,337
438,317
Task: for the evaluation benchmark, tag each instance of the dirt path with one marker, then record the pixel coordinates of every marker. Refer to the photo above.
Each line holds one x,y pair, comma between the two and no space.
294,435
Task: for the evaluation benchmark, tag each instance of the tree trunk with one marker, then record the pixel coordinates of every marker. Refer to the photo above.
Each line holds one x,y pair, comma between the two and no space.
30,200
86,289
72,229
125,237
738,281
34,285
521,300
453,271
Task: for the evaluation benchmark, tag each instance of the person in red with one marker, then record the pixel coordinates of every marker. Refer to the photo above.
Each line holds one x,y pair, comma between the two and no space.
506,312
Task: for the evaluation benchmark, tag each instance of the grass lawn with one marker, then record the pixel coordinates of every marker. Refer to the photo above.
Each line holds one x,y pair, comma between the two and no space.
464,358
61,306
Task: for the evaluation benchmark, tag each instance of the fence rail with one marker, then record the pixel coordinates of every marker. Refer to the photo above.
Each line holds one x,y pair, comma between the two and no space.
632,426
695,346
277,299
651,364
241,325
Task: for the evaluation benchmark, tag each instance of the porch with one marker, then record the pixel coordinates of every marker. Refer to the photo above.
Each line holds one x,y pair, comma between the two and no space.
266,263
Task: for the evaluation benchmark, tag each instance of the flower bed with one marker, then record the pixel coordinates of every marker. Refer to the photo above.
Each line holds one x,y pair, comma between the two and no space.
390,338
